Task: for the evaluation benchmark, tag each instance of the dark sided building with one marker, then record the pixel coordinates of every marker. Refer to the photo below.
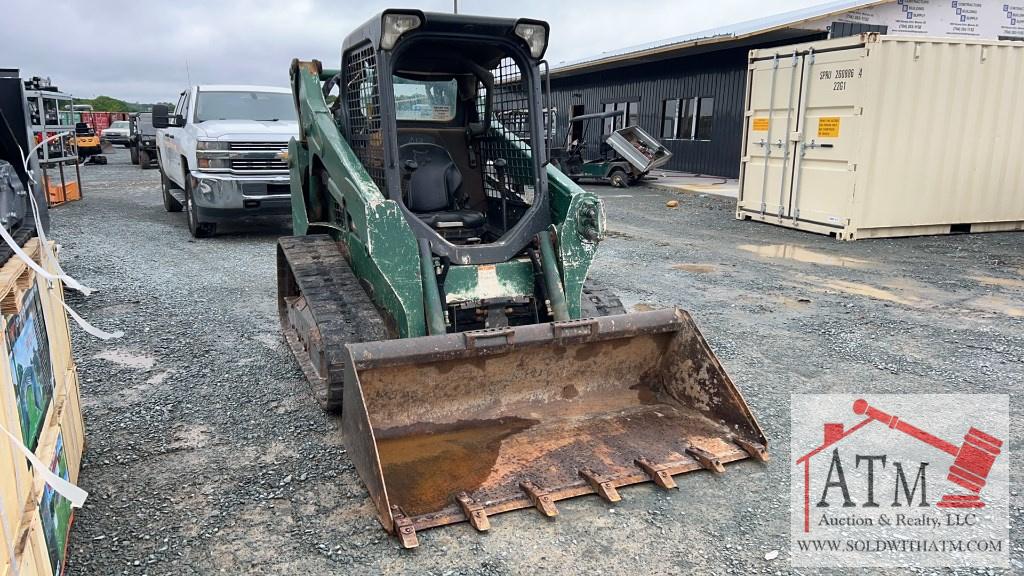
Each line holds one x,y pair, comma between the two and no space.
689,92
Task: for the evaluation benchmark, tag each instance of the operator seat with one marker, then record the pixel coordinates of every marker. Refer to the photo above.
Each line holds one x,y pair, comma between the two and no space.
432,190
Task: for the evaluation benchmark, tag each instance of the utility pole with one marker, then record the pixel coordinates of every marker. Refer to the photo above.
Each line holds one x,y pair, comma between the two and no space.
456,6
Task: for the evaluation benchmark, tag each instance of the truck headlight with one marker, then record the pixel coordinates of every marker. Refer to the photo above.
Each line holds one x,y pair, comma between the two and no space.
211,145
536,36
396,24
212,163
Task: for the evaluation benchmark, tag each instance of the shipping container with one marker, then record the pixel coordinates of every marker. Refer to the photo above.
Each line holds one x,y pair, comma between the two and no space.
882,136
100,121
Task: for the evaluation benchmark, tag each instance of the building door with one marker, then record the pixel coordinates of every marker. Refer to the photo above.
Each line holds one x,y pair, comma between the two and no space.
576,128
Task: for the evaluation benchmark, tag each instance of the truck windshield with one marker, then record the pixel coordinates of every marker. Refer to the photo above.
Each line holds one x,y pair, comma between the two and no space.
266,106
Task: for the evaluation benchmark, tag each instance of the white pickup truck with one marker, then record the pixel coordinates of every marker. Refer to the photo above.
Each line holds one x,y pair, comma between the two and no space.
223,153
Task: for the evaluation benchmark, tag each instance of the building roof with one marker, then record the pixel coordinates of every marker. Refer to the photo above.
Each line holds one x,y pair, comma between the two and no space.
679,45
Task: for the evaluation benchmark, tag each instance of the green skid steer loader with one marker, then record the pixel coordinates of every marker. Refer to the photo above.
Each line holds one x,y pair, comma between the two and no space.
435,291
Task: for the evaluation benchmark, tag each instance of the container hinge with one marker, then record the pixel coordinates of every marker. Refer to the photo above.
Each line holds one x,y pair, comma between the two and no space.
404,529
474,511
603,486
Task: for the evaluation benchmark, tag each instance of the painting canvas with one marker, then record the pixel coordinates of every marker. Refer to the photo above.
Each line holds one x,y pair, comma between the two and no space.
55,512
31,370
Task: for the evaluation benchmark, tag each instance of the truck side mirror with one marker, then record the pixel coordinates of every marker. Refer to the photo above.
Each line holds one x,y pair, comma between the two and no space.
160,116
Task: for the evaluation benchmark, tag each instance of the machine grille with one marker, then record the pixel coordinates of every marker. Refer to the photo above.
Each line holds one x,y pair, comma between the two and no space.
509,136
362,98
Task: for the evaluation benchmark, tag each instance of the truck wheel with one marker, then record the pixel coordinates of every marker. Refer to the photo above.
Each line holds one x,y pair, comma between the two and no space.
135,155
619,179
144,160
195,227
599,301
171,203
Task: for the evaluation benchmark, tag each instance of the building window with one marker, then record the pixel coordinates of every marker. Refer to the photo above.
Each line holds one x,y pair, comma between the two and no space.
687,118
633,113
631,116
669,119
705,115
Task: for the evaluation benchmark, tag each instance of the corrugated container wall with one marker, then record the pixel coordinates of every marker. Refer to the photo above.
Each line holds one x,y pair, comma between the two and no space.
882,136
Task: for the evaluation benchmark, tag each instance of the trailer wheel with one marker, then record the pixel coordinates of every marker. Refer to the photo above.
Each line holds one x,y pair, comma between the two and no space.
619,179
171,203
135,155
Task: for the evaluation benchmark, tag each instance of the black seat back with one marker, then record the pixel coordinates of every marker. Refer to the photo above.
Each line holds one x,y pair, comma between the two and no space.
435,182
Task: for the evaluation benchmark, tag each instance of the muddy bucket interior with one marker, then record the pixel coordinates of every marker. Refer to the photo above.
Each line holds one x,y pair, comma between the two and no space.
455,428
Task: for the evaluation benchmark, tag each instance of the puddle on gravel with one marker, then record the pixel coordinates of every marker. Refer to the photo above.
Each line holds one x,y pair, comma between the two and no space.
158,378
1001,282
999,304
127,358
696,268
858,289
798,254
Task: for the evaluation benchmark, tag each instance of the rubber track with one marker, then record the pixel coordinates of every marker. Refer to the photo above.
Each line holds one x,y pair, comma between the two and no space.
600,301
340,306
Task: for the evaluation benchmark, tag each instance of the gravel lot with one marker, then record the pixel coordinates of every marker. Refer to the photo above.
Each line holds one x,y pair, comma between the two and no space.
207,454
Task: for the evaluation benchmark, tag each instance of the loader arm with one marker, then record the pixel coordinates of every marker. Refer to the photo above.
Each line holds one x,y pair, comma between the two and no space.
328,181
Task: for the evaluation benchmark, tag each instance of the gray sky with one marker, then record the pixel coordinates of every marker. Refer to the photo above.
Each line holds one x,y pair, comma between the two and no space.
136,50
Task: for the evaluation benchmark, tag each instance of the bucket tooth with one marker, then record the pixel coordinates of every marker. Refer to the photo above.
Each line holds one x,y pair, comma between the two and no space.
755,450
657,473
541,498
706,459
404,529
603,486
474,511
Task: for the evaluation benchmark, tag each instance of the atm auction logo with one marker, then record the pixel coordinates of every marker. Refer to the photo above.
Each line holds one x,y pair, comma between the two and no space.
900,480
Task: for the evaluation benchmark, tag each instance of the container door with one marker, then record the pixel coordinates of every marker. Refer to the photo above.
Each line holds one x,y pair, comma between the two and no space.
774,85
828,131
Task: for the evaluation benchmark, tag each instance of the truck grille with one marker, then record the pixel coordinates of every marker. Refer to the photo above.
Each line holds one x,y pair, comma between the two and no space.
258,165
258,145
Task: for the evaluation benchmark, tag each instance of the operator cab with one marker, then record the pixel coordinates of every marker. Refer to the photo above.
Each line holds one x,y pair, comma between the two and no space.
463,176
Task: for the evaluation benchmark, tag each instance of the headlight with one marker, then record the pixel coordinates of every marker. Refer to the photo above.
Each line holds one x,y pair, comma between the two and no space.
213,163
536,36
394,25
211,145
